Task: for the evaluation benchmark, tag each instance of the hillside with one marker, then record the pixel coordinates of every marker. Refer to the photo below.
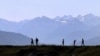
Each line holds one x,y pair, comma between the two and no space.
10,38
49,51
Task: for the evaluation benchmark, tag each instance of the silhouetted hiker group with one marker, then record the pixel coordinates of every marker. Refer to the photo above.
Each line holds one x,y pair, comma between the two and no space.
63,42
74,42
82,43
36,41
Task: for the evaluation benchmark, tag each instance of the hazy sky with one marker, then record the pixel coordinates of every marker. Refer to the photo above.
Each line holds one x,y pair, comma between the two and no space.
16,10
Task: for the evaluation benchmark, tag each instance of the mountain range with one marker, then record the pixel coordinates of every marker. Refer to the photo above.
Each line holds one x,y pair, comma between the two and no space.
53,30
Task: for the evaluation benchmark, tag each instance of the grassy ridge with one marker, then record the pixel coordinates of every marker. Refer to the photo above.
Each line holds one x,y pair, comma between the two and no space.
49,50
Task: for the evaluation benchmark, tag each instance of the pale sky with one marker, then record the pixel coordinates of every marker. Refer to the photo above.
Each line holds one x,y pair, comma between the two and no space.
16,10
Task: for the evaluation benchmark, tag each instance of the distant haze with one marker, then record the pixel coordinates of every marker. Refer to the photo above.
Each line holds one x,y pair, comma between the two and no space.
52,31
16,10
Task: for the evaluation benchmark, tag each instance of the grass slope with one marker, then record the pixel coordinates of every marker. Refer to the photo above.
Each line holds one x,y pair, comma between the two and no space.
49,50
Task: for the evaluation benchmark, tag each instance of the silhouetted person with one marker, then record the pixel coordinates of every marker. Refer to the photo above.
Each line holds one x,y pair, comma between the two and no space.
37,40
82,42
32,41
63,42
74,42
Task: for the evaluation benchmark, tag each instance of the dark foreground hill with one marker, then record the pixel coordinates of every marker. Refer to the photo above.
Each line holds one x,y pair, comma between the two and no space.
49,51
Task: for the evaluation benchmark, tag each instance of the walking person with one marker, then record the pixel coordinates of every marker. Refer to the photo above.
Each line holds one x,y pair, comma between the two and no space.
37,40
63,42
74,42
32,42
82,42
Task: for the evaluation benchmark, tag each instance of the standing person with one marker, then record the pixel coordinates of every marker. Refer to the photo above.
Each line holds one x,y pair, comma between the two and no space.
82,42
74,42
63,42
37,40
32,42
